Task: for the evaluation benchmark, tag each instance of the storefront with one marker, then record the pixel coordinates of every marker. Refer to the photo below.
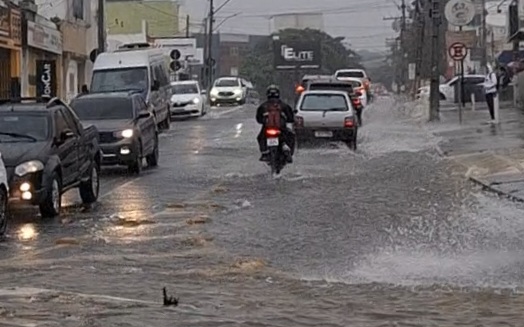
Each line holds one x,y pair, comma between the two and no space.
10,47
75,58
42,59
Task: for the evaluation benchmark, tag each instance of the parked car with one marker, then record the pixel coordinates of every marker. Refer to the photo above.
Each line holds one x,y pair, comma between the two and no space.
127,130
4,196
188,99
228,90
136,67
447,90
47,151
326,114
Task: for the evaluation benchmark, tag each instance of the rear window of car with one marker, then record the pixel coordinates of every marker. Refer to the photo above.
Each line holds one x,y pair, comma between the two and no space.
321,102
331,86
355,73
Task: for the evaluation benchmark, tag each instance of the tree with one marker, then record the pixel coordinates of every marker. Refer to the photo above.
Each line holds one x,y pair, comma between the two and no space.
258,65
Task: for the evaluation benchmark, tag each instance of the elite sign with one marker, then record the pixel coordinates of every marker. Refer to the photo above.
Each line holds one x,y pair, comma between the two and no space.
297,55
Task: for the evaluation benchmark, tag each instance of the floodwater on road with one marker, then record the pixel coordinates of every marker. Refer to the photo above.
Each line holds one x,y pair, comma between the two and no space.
389,235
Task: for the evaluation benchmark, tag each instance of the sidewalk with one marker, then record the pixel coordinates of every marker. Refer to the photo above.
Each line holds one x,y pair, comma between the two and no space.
493,155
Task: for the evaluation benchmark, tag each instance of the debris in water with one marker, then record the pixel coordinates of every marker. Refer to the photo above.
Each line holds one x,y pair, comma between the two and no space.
198,220
220,189
169,301
131,222
249,264
67,241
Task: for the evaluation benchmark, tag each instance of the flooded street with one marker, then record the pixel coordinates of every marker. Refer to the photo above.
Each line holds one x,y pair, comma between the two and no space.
392,235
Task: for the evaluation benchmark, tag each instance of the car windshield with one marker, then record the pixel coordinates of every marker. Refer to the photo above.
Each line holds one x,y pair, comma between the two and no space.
124,79
185,89
227,82
321,102
356,74
23,128
103,108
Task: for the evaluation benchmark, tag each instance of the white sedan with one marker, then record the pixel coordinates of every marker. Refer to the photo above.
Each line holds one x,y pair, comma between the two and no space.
187,100
358,86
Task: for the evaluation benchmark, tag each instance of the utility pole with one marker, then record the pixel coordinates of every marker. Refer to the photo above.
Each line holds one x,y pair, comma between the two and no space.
403,68
209,59
187,26
434,97
483,43
421,24
101,26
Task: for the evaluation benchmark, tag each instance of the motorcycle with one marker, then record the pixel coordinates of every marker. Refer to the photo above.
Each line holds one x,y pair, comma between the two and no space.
277,157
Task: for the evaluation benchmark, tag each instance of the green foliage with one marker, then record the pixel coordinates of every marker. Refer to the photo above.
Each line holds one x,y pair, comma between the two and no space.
258,64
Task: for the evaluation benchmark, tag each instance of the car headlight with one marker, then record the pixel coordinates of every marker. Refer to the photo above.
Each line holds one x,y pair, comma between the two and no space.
214,92
127,133
237,92
29,167
196,100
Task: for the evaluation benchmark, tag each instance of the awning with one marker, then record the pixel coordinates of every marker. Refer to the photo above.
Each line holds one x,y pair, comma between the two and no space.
506,56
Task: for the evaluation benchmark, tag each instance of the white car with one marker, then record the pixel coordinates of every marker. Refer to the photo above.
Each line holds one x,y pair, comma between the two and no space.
447,90
230,90
344,74
187,99
358,87
4,196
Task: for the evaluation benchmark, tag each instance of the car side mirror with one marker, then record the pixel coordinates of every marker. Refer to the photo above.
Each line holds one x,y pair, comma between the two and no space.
64,136
295,111
143,114
155,86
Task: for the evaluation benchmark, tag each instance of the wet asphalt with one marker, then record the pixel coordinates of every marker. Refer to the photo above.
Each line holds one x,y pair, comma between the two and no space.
389,235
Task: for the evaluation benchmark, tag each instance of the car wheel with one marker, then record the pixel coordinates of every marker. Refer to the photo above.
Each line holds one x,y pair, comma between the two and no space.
152,159
3,211
135,168
52,203
90,189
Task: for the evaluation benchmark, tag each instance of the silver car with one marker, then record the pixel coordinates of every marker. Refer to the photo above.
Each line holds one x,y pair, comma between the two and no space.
326,115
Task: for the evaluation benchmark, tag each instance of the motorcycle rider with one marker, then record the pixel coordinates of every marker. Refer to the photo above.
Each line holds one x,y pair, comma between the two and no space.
273,99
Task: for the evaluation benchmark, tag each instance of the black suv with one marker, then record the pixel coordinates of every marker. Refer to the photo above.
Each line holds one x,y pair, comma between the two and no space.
128,131
47,151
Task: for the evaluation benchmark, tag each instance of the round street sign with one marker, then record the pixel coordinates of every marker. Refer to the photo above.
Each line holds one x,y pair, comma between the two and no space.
458,51
460,12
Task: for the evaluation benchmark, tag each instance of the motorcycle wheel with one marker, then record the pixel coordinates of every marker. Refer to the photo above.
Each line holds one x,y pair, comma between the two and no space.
274,161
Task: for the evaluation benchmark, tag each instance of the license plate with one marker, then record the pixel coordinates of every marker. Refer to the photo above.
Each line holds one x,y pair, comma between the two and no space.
272,141
323,134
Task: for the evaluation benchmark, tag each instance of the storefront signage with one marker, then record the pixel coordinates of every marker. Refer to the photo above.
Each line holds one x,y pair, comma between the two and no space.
46,84
43,37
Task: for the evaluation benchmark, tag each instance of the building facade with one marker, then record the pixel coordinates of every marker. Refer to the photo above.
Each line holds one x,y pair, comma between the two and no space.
76,20
10,49
127,16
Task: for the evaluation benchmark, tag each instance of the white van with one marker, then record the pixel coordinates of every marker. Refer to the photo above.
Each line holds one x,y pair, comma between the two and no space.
136,67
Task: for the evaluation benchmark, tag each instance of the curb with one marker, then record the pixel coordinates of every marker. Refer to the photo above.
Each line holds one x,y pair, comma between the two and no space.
487,187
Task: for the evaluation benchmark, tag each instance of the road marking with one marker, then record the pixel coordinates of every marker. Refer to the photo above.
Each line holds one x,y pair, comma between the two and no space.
220,114
113,190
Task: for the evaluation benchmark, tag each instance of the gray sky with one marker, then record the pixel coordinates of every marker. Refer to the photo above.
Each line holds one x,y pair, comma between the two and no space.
360,21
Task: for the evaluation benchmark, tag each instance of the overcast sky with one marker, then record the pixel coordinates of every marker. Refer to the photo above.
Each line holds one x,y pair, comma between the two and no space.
360,21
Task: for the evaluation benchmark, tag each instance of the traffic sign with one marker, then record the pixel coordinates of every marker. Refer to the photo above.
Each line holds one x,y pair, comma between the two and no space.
460,12
458,51
175,54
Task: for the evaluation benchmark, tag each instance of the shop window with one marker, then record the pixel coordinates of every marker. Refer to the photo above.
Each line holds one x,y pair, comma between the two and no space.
233,51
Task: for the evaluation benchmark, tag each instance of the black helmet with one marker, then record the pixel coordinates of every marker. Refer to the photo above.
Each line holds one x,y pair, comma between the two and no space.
273,92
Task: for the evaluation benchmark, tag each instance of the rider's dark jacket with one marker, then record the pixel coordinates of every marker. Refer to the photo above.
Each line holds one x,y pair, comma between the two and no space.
286,109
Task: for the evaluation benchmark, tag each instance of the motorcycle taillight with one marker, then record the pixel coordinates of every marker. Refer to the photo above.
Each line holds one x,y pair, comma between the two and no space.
272,132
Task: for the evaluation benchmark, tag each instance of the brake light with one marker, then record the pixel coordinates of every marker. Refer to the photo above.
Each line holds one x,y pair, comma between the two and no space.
299,121
272,132
300,89
349,122
360,89
356,101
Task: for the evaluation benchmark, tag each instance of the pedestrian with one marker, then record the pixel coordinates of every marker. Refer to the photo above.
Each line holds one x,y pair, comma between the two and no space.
490,90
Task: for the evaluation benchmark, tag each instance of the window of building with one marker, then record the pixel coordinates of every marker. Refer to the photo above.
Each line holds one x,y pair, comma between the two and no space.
78,9
233,51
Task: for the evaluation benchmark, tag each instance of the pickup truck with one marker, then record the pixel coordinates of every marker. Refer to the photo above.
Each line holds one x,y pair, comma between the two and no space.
47,151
